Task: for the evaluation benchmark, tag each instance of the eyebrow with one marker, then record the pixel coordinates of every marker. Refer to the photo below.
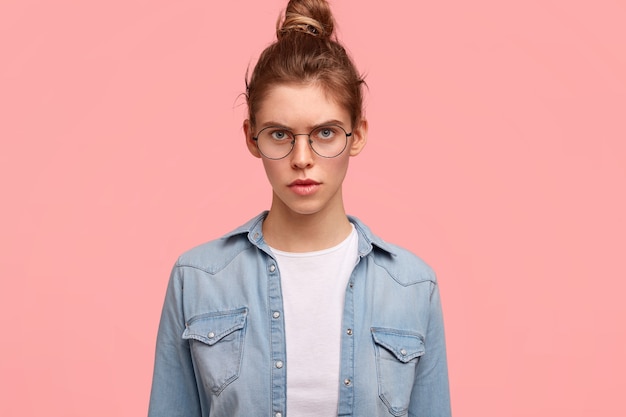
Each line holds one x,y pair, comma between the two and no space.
325,123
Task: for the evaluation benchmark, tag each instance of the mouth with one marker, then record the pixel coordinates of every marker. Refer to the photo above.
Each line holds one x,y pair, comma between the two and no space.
304,187
304,182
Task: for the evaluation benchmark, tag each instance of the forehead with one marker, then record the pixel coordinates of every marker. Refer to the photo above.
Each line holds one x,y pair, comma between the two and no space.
300,105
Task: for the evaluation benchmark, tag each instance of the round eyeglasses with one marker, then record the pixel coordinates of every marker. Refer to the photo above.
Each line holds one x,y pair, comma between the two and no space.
328,141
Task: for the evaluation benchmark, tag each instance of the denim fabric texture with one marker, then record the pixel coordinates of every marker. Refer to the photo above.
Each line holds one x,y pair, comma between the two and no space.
221,342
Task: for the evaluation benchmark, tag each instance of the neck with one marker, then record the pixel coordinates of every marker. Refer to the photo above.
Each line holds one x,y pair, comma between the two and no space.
294,232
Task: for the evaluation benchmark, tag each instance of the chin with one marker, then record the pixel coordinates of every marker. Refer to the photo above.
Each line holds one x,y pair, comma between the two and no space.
304,208
305,211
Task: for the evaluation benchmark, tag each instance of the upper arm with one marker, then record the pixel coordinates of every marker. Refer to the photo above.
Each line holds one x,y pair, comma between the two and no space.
174,389
431,395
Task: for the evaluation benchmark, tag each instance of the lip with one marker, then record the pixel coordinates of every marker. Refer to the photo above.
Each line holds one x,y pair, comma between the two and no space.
304,186
305,181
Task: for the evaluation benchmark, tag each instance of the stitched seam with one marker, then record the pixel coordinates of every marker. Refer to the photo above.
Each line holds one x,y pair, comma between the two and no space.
217,270
395,278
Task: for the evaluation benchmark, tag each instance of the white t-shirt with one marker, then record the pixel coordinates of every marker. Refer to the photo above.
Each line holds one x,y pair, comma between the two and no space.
314,286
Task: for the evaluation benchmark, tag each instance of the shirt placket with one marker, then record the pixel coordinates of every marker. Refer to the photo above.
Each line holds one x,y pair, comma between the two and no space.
278,345
346,386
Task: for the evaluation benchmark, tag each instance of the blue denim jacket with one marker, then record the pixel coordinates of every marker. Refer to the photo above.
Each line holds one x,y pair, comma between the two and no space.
221,341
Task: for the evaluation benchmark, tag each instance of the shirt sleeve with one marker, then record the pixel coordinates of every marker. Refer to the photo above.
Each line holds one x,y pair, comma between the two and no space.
431,394
174,389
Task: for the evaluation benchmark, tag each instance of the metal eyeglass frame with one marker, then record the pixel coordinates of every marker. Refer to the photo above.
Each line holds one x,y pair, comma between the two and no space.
293,142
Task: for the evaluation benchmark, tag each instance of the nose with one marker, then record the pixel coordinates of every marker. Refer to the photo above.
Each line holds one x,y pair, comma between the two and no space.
301,154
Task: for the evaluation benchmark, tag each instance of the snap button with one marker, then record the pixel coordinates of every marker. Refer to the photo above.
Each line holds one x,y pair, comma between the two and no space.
276,314
279,364
347,382
211,335
272,268
349,331
279,414
351,284
256,236
403,352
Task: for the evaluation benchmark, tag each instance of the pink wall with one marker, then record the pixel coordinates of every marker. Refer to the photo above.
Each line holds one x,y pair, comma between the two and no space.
497,152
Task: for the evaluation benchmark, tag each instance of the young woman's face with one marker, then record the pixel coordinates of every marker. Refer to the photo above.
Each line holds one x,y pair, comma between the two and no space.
304,182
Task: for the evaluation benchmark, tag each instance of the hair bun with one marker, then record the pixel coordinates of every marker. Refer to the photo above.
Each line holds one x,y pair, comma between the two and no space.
312,17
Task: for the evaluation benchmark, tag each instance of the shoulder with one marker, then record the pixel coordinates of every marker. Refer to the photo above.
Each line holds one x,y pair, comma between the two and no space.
215,255
401,264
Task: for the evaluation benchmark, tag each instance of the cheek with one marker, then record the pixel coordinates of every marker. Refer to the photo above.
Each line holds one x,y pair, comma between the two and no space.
267,167
340,164
335,169
272,169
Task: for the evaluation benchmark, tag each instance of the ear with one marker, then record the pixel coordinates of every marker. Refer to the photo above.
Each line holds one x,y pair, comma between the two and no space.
359,138
250,143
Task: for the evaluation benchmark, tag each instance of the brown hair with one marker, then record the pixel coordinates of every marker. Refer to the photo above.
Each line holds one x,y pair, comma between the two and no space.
306,51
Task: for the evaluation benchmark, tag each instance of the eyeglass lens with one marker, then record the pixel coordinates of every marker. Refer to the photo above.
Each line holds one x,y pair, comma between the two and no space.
327,141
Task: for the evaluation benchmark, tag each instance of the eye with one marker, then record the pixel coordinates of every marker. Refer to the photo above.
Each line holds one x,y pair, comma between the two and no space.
279,135
325,132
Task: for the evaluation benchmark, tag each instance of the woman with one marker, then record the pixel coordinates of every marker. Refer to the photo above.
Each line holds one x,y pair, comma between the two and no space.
302,311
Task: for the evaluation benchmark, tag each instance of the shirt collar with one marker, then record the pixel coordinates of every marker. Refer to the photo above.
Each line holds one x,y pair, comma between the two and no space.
367,240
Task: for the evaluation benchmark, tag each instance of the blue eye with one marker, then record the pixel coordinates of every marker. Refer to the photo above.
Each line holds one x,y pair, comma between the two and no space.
279,135
325,133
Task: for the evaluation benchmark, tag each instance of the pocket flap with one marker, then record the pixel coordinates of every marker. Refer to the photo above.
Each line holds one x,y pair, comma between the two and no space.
210,328
404,345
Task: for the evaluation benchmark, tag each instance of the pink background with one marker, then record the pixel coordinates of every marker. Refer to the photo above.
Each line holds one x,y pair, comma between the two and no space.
497,152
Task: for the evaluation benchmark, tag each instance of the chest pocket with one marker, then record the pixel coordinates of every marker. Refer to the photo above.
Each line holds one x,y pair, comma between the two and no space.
397,354
216,342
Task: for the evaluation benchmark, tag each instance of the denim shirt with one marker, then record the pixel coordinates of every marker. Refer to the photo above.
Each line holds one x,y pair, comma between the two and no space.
221,342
